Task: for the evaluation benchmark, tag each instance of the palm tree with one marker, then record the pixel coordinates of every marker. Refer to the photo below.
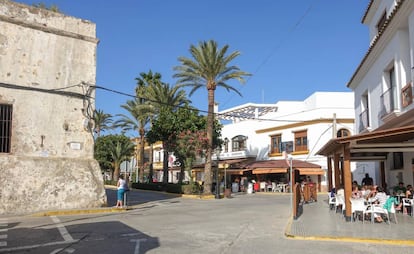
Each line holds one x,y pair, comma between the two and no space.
102,121
137,119
120,152
165,98
208,68
143,83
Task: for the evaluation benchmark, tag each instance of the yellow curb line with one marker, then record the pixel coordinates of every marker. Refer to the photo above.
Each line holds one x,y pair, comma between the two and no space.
85,211
345,239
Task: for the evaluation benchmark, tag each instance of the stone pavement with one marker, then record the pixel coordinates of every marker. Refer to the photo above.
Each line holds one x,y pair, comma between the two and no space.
318,222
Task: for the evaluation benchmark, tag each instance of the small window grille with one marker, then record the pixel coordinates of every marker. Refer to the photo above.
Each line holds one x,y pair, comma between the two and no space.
5,127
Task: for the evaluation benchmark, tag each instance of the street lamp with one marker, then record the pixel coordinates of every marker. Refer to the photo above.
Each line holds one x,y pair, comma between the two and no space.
217,174
291,180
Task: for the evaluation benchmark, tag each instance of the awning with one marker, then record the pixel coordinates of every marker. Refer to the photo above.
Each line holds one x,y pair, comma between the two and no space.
282,166
311,171
269,170
373,145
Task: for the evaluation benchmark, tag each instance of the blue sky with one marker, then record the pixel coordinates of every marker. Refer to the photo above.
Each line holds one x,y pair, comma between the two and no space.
292,48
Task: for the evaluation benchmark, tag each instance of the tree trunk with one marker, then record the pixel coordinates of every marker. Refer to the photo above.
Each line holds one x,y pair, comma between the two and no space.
116,172
188,167
165,165
141,155
208,176
151,161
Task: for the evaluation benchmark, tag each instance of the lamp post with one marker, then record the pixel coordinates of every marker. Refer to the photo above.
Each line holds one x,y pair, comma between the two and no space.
291,180
217,175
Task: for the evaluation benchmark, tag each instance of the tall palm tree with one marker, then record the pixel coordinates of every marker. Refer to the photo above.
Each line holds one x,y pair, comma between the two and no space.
137,120
120,152
164,97
144,81
102,121
208,68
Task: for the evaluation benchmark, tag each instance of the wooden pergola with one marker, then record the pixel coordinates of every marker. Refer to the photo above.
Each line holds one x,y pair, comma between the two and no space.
396,136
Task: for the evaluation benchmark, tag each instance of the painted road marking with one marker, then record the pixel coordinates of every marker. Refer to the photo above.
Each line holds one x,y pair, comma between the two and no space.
36,246
68,250
62,229
138,241
3,232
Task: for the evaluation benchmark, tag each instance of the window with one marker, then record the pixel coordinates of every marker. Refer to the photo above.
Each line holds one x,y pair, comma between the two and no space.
301,141
226,145
5,127
364,120
276,144
389,94
238,143
381,21
398,160
343,133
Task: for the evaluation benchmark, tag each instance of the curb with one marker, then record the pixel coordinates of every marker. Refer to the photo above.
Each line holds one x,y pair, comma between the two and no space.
288,234
80,211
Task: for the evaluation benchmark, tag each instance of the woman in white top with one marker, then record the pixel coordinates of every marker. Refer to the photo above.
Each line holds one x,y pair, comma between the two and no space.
380,198
122,187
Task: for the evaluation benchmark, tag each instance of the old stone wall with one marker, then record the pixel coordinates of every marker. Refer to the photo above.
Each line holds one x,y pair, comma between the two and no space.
47,64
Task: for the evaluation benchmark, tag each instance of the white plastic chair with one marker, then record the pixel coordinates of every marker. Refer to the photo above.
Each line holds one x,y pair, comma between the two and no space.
376,209
276,188
331,201
357,205
339,202
407,202
392,210
262,186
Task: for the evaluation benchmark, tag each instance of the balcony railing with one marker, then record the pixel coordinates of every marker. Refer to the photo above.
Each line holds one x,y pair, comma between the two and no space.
363,120
387,102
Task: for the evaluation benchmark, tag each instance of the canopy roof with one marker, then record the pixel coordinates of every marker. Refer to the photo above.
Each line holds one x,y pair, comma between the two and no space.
395,135
246,111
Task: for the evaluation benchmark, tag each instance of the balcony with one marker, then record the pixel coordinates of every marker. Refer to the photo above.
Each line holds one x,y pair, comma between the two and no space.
363,120
387,103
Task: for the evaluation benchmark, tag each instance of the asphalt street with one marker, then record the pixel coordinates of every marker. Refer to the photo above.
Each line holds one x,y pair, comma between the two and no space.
161,223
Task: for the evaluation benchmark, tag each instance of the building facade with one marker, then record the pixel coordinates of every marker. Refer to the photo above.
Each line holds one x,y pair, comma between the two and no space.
382,83
297,128
384,110
47,60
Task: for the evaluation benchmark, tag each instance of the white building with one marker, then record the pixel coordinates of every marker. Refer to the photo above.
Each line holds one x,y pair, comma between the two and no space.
382,82
382,85
301,128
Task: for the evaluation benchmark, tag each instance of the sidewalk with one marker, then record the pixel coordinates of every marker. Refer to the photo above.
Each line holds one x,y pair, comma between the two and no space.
317,222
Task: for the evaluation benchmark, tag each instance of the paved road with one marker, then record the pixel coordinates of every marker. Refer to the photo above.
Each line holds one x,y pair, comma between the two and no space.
165,224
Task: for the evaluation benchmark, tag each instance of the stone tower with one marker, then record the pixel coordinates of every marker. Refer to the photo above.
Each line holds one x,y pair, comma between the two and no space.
47,63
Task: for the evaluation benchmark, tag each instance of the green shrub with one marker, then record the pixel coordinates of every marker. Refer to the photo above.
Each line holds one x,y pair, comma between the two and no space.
110,182
169,187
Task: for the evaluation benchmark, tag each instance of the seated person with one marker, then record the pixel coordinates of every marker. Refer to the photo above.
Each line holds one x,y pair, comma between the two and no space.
399,189
380,196
356,193
380,199
372,192
409,191
408,194
392,201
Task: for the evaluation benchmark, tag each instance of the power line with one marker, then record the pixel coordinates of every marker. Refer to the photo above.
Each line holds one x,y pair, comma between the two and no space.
278,45
86,96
